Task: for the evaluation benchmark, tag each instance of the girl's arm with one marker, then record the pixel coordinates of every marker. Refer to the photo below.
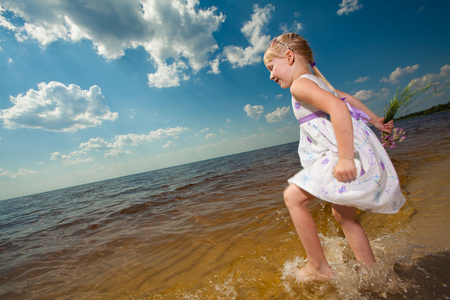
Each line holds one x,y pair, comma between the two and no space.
307,91
376,121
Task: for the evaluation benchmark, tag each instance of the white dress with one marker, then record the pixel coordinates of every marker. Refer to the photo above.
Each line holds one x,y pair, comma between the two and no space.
376,187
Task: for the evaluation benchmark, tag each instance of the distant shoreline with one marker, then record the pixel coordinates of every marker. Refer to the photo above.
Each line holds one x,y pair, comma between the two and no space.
429,111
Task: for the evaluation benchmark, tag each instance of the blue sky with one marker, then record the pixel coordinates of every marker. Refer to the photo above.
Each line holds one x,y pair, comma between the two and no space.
91,90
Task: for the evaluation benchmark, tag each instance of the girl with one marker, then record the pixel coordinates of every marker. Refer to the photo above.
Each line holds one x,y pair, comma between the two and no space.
343,161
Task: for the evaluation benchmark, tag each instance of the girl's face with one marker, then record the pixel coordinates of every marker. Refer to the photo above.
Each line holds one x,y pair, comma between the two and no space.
280,72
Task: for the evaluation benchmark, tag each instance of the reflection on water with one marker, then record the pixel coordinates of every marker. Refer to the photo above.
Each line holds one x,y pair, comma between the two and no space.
219,229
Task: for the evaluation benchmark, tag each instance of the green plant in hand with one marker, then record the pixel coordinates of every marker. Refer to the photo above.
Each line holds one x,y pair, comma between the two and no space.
402,99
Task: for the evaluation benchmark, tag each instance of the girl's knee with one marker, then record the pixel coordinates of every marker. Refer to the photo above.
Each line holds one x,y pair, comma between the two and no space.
338,217
295,196
344,214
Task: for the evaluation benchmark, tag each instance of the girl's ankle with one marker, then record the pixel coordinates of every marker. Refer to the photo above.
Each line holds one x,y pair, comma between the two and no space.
309,271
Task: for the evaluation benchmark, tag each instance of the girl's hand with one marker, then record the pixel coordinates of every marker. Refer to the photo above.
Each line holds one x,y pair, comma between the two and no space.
345,170
384,127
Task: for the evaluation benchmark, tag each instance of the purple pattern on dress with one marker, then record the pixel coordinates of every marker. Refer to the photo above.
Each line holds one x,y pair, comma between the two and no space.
342,190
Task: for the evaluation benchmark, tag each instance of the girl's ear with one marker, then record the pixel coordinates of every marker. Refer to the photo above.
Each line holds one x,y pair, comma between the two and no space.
290,56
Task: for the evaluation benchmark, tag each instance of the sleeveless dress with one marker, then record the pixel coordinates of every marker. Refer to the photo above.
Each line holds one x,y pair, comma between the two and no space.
376,187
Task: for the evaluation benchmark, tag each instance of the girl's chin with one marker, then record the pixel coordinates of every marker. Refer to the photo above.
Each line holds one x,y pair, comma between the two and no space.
283,86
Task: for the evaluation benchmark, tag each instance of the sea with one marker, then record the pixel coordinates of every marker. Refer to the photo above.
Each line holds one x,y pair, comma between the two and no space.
219,229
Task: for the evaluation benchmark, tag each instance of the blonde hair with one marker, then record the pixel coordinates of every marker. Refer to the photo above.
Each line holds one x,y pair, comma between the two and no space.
300,46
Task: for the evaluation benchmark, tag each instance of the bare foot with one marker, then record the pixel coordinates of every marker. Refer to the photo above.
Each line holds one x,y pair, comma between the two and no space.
308,273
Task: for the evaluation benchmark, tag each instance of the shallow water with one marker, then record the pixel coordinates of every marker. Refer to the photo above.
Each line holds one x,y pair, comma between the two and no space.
218,229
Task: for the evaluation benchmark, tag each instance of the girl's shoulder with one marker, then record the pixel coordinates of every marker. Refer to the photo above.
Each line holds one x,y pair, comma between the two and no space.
305,82
318,81
310,77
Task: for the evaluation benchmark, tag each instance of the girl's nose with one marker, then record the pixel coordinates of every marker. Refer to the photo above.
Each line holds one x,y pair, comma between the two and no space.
271,76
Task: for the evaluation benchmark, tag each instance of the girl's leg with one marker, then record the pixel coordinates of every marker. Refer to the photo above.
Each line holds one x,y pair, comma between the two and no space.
296,201
354,232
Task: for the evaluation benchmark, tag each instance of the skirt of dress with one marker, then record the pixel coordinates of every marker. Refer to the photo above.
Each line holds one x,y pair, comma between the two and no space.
376,187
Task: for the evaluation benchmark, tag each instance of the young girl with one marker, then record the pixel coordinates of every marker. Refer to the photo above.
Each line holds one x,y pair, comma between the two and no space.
343,161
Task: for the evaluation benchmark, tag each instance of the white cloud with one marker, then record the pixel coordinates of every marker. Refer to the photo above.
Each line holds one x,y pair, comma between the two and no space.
348,6
57,107
295,27
362,79
211,135
4,22
74,157
167,76
168,144
254,111
172,31
443,75
120,142
97,144
13,175
399,72
278,115
253,31
118,146
215,66
366,95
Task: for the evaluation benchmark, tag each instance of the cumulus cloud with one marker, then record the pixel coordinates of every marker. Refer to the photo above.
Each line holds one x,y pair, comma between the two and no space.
215,66
176,34
295,27
168,75
117,146
348,6
364,95
371,95
57,107
254,111
362,79
253,31
20,173
278,115
168,144
120,142
398,73
74,157
442,76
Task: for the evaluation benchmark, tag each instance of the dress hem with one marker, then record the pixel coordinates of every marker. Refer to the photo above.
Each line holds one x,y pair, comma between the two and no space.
330,201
